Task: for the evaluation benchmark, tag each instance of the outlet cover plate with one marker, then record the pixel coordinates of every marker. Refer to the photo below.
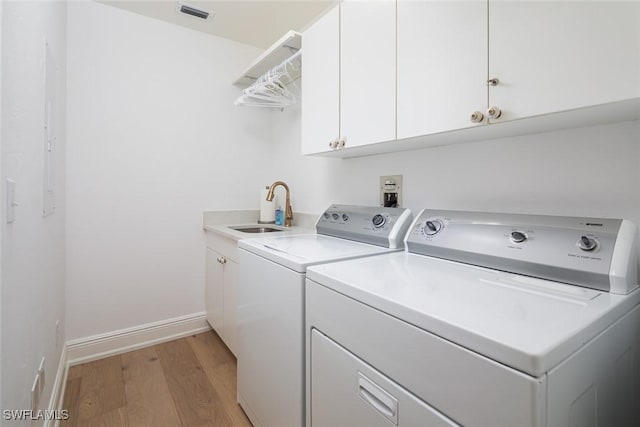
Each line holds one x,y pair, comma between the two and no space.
391,186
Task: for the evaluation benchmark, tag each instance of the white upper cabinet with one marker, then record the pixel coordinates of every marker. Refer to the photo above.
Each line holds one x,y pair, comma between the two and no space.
442,65
376,72
558,55
367,72
320,119
349,84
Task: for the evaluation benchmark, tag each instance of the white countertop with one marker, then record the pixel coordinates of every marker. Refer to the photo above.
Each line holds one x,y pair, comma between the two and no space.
219,222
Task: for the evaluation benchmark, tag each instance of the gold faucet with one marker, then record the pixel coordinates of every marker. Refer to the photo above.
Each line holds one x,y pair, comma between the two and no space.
288,215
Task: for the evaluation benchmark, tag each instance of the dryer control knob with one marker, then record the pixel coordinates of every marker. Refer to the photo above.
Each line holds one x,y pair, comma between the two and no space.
432,227
587,244
378,220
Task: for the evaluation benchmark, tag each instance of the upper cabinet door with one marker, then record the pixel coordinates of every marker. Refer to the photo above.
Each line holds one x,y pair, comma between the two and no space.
367,72
320,119
558,55
442,65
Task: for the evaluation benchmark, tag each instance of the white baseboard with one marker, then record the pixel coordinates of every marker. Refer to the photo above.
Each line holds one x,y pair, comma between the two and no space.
117,342
59,386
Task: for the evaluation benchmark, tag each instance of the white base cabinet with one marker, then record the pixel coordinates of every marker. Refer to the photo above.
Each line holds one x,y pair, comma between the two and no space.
221,288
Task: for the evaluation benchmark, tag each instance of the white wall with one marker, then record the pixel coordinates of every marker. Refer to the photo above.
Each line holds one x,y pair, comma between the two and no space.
591,171
1,198
32,294
154,140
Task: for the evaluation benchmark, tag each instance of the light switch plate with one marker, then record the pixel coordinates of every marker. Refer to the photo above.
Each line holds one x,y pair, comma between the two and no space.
35,393
11,201
41,380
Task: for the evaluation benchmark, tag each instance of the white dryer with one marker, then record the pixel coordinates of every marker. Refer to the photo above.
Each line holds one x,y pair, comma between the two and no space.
486,320
271,298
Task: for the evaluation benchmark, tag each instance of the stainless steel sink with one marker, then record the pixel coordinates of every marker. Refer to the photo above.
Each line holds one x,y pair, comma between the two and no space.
255,229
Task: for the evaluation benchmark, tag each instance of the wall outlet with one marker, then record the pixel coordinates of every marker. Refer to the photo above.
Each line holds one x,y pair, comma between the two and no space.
391,191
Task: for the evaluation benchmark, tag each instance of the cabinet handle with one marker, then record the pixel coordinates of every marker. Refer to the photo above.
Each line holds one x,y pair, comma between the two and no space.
222,260
342,143
494,112
493,82
476,117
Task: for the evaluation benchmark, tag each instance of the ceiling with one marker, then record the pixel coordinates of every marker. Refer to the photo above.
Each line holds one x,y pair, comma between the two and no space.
254,22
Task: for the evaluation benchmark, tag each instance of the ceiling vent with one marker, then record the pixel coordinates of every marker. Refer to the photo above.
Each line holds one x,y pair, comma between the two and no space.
193,11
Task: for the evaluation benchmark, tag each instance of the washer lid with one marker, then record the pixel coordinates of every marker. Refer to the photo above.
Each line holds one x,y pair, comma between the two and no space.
300,251
527,323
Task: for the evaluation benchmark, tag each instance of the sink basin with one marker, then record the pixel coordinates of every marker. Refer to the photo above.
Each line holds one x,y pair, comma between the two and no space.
256,229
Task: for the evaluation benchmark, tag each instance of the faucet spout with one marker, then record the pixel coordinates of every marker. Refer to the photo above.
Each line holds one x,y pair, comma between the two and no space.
288,215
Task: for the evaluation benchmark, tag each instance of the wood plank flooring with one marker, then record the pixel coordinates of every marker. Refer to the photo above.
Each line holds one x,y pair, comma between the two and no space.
190,382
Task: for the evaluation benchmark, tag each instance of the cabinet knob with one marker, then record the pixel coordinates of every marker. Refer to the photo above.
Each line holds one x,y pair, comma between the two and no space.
493,82
222,260
494,112
341,143
476,117
333,144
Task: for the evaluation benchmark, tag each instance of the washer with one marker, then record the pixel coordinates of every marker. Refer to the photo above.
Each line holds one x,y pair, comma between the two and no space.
271,281
485,320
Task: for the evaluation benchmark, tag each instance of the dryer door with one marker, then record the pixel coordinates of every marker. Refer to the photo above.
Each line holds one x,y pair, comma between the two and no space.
347,392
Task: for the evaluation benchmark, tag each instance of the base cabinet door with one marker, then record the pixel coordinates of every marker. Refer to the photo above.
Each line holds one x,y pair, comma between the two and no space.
214,290
346,392
220,296
230,326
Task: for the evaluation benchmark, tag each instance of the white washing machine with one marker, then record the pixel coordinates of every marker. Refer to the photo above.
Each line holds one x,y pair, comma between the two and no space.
270,318
486,320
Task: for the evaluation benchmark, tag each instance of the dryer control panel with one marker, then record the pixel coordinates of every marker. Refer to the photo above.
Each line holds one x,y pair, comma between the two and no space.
368,224
598,253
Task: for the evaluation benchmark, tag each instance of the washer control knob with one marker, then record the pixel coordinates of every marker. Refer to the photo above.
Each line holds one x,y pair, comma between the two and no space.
335,216
378,220
518,237
587,244
326,215
345,217
432,227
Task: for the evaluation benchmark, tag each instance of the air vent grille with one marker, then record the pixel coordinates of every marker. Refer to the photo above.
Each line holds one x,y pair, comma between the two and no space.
193,11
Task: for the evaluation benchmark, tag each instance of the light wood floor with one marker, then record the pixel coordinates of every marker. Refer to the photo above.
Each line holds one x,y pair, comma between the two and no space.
190,382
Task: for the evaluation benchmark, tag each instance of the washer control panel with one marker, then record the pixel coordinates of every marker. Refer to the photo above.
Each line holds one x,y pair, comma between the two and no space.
368,224
572,250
